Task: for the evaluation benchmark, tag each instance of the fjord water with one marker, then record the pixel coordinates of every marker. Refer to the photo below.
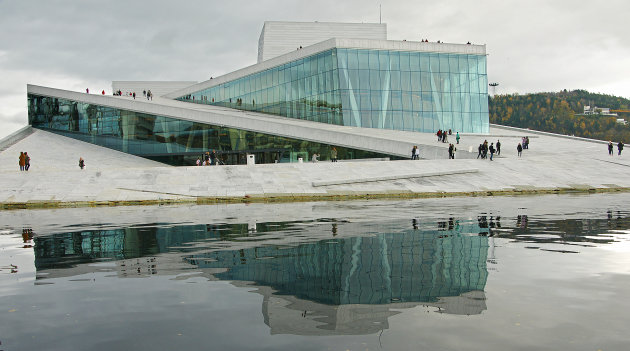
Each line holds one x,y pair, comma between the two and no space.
519,273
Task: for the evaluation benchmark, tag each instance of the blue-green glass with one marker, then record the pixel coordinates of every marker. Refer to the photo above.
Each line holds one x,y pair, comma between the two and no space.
404,62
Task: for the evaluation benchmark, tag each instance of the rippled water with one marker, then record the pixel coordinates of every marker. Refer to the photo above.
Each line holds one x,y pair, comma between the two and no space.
521,273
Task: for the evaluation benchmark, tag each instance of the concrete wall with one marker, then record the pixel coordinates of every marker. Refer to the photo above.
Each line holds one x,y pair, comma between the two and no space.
14,137
158,88
278,38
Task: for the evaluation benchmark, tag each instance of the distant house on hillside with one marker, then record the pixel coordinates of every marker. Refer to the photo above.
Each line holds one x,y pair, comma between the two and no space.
602,111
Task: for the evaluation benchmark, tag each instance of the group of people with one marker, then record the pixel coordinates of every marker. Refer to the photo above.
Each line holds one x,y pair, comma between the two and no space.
611,147
442,135
209,159
25,161
483,149
146,93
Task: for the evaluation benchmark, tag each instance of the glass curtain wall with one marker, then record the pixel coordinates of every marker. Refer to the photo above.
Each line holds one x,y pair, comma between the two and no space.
171,140
305,89
400,90
413,91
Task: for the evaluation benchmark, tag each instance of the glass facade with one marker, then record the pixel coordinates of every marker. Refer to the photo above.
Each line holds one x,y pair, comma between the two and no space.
171,140
401,90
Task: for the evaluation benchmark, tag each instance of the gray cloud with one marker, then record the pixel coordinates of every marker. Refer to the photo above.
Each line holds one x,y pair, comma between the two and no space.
533,46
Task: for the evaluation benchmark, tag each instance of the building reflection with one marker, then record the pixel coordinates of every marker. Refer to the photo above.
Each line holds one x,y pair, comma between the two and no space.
333,284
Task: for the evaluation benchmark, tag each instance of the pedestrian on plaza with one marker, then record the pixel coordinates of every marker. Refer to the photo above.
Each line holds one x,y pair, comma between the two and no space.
149,95
134,95
213,158
620,147
450,151
492,150
450,132
519,148
87,91
484,151
439,134
444,139
206,160
103,92
22,161
413,152
314,158
480,148
457,137
498,148
610,148
198,161
333,155
27,161
526,146
417,153
81,163
144,93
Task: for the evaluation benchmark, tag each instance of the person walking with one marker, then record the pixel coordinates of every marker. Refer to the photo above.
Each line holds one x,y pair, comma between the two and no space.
492,150
519,148
134,95
198,161
417,152
480,148
450,151
620,148
457,137
81,163
610,148
144,93
149,95
21,161
498,148
413,152
27,161
333,155
87,91
213,158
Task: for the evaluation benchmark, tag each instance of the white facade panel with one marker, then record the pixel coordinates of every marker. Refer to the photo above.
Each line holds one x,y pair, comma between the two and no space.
278,38
158,88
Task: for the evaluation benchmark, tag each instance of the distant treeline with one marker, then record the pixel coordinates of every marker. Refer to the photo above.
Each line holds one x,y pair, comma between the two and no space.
559,113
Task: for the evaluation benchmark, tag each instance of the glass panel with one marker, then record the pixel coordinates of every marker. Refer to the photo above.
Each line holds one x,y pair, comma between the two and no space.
373,60
363,59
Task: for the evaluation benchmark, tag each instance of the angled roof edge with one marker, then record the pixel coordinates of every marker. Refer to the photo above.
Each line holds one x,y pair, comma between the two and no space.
394,45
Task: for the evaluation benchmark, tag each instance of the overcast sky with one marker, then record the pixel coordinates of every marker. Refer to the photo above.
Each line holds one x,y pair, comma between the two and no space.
533,45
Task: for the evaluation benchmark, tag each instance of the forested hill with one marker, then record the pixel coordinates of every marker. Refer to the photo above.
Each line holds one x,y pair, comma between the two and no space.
558,113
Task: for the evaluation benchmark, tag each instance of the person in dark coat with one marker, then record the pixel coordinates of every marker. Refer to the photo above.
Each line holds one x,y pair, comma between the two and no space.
498,148
27,161
479,148
610,148
81,163
492,150
519,148
620,147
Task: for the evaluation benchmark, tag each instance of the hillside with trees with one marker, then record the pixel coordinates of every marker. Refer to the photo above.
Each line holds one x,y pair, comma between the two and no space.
562,113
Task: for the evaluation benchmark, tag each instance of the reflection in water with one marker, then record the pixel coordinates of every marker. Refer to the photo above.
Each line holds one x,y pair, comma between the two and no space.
320,277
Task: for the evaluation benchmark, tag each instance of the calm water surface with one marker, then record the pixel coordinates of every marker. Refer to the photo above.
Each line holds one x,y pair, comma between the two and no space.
522,273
